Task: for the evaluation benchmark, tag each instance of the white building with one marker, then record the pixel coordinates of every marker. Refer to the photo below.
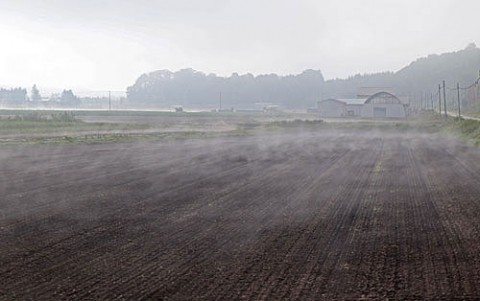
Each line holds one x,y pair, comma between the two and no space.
379,105
383,105
332,108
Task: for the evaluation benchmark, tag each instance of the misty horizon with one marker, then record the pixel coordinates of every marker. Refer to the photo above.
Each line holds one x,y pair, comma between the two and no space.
239,150
106,46
91,92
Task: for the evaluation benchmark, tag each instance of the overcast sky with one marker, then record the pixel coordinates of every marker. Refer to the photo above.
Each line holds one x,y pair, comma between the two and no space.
107,44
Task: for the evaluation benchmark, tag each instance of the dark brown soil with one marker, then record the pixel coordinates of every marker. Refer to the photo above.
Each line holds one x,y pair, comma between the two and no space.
310,216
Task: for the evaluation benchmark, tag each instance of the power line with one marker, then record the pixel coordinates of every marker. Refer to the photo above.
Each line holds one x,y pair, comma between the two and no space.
443,88
475,83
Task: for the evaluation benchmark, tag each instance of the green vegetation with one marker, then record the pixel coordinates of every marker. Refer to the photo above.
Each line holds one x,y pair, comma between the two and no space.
476,115
213,115
119,137
65,127
53,126
40,122
468,129
294,124
46,127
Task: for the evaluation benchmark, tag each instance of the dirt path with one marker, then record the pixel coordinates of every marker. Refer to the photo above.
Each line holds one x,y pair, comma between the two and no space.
310,216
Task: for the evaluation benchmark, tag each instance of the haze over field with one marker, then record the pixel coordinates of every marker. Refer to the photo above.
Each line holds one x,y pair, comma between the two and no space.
239,150
106,45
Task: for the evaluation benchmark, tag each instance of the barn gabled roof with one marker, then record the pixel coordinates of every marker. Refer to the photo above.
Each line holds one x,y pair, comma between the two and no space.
353,101
333,99
383,95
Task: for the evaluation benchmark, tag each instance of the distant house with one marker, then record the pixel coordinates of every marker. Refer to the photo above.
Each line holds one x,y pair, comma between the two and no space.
381,104
332,108
178,108
271,108
353,106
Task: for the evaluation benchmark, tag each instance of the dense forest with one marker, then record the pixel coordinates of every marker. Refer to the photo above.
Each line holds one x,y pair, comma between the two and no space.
192,88
13,96
18,97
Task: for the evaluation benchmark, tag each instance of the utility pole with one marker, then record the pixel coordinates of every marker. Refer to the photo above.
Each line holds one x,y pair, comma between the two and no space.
421,101
220,105
431,100
426,100
109,100
445,100
427,103
440,99
458,100
477,90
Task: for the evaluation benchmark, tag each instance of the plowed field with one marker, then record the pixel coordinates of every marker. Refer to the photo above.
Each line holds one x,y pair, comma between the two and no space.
310,216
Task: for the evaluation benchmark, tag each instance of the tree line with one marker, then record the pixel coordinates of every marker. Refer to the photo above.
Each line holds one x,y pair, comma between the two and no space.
189,87
20,97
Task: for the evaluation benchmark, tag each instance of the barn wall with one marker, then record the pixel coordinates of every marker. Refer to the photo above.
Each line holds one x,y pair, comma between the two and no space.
331,108
392,110
357,109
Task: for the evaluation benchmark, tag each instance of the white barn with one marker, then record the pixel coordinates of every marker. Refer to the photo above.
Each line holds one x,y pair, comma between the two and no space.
379,105
383,105
354,107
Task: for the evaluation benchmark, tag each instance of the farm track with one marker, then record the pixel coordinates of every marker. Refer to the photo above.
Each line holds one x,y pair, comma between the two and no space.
314,216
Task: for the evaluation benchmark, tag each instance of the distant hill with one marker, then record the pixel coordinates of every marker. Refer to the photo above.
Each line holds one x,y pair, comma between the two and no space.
422,75
191,88
426,73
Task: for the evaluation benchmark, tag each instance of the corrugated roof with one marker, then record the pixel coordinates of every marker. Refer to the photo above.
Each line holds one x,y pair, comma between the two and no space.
369,91
331,99
353,101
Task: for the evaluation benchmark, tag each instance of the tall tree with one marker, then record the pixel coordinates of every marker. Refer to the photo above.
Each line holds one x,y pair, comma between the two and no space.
68,98
35,94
